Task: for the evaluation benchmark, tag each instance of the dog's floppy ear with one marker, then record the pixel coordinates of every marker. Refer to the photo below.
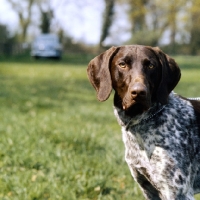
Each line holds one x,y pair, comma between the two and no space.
171,75
99,73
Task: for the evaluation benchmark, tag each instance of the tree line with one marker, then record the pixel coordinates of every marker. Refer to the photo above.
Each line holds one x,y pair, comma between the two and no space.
154,21
174,24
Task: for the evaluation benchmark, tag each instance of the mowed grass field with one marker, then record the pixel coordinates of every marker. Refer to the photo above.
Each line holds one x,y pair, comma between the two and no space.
57,142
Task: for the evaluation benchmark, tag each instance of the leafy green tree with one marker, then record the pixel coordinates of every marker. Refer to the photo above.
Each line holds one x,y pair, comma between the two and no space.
46,18
6,41
150,19
3,33
194,26
137,14
144,31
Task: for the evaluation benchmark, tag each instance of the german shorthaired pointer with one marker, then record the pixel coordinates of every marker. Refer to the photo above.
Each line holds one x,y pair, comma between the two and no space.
161,130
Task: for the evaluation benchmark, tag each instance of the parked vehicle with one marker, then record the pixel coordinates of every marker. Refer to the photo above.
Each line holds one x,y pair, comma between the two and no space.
46,45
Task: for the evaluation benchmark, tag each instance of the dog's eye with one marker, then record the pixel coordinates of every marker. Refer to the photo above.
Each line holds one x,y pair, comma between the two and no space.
151,66
122,65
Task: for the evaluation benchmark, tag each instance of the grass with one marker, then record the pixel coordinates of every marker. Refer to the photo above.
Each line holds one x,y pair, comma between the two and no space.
57,141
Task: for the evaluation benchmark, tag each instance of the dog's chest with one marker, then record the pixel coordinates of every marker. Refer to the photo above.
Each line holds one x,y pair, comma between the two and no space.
151,147
145,156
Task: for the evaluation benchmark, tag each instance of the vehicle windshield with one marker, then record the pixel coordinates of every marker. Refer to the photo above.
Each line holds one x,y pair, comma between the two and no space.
47,39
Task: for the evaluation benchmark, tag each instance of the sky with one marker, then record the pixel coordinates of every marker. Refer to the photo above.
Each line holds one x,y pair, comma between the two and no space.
7,16
82,22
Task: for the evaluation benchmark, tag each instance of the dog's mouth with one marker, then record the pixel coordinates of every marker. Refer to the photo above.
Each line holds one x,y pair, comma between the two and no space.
128,105
145,105
132,106
135,107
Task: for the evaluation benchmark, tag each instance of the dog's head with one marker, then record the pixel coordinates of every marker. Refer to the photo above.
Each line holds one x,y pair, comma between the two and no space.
140,76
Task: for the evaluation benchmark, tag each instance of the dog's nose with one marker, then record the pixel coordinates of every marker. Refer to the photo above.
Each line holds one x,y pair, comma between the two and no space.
138,90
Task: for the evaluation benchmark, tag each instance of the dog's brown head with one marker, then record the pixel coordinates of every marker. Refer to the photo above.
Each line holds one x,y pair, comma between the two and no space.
140,76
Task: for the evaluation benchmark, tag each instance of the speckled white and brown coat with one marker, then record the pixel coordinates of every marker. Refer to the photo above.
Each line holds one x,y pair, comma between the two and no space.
161,130
162,152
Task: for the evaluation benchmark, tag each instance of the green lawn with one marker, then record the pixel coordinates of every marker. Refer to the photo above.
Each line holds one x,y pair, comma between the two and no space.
57,141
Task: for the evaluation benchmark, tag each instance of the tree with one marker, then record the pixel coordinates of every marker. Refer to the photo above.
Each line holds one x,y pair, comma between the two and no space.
173,10
144,15
151,19
46,18
3,33
137,14
107,20
46,15
194,28
6,41
23,9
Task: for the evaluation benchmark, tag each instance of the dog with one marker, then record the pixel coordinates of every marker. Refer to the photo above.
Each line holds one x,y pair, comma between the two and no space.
160,129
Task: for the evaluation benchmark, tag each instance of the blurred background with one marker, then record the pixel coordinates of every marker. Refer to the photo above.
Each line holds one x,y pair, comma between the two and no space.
86,25
57,142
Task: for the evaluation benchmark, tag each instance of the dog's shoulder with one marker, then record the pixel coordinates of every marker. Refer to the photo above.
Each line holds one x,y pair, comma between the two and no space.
177,109
164,134
169,126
